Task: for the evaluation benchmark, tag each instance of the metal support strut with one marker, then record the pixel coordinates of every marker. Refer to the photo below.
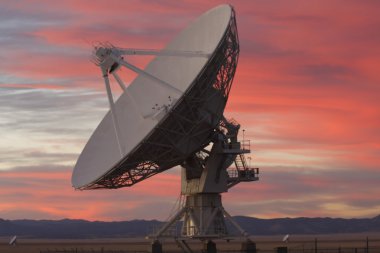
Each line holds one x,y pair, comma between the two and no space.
144,73
113,112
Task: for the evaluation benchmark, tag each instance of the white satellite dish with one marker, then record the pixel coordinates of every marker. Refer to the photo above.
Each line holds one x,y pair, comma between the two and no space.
13,240
156,99
286,238
167,116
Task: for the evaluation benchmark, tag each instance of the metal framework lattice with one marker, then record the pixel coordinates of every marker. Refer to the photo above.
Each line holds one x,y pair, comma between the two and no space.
187,127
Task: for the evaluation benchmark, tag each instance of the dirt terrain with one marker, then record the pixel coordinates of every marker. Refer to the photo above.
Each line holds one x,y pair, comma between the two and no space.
352,243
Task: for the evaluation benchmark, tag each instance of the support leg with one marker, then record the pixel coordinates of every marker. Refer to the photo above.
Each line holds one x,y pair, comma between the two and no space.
130,97
156,247
113,112
210,247
228,216
146,74
176,218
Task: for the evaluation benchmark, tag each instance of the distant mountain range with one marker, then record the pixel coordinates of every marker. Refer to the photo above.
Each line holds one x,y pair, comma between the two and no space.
138,228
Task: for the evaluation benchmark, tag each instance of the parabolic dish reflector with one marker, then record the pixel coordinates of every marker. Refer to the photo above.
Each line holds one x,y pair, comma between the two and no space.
162,126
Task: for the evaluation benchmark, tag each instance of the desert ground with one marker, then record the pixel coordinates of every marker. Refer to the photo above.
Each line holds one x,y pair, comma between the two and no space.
337,243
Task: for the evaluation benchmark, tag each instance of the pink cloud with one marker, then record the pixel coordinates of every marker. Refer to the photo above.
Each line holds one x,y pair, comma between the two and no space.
50,194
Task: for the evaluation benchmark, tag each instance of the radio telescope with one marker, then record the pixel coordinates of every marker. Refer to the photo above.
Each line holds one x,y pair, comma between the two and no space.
13,241
172,115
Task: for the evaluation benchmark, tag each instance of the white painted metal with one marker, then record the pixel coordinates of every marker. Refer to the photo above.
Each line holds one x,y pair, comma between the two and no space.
13,240
115,120
125,90
102,151
120,82
155,80
135,51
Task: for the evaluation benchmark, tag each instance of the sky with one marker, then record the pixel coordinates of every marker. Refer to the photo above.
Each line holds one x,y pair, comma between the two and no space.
306,92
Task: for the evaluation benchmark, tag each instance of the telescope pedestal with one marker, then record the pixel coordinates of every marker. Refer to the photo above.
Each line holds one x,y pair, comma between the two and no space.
203,181
204,216
205,176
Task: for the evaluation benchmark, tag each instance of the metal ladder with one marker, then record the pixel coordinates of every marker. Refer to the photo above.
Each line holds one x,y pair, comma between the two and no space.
240,162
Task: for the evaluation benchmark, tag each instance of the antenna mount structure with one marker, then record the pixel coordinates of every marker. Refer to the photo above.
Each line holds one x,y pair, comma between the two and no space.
171,115
206,175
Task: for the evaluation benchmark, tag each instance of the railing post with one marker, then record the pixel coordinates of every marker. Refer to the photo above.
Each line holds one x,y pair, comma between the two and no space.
367,245
316,246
